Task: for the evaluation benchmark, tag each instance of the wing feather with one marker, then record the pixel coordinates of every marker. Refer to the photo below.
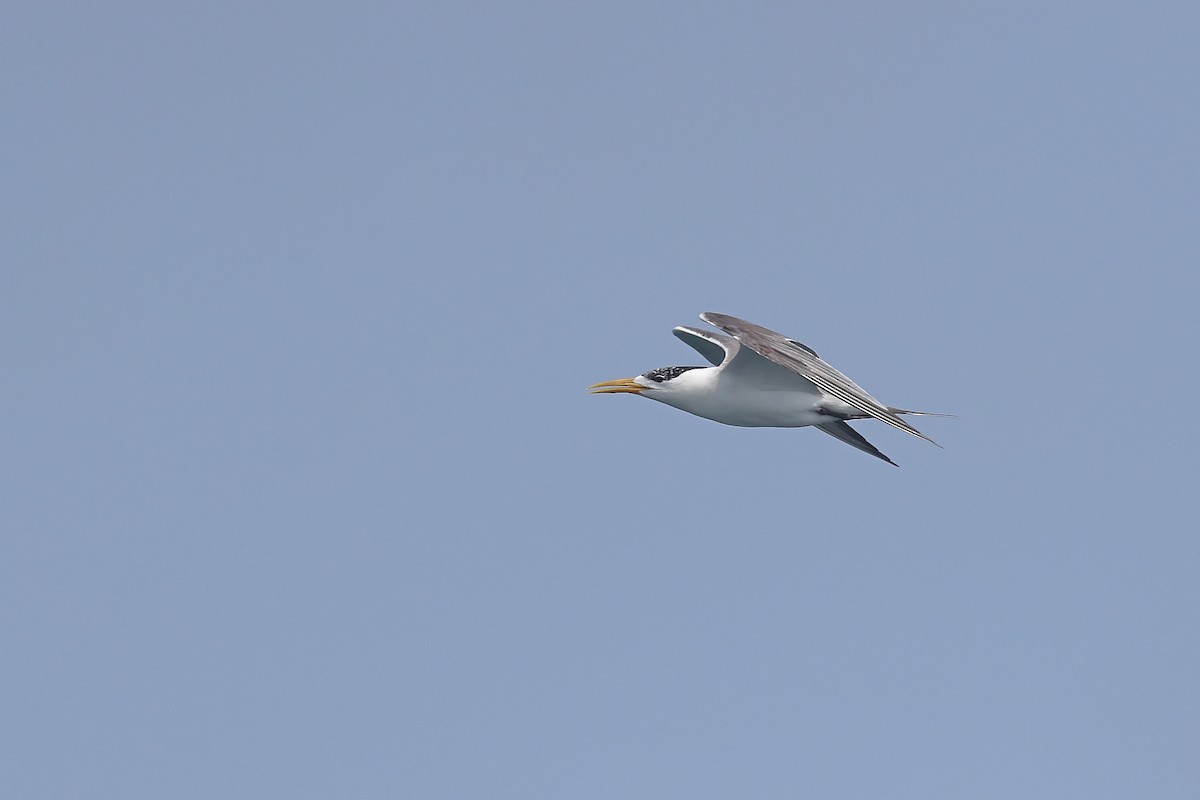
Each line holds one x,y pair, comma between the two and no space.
844,433
805,362
715,347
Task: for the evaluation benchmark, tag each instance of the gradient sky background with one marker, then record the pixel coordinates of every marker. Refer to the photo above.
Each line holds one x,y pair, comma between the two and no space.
304,496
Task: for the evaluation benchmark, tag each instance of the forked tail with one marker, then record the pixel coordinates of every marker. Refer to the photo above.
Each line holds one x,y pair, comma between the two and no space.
919,413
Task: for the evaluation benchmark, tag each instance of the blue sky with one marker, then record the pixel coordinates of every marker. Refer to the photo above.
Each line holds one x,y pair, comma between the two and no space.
304,496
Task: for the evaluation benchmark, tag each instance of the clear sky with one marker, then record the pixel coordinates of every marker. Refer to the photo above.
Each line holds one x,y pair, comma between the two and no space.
303,495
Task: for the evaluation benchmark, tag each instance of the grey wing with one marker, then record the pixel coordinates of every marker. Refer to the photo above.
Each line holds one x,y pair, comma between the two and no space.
715,347
805,362
843,432
725,352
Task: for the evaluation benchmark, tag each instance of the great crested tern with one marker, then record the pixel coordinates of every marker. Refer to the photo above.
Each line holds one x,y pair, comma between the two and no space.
762,379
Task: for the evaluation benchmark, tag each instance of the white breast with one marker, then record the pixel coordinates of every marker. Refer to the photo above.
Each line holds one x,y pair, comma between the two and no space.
790,402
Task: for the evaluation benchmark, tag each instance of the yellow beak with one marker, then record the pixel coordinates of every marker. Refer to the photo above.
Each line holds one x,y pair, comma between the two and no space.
619,386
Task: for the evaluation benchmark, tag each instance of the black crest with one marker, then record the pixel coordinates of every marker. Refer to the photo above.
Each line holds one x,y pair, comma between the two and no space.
666,373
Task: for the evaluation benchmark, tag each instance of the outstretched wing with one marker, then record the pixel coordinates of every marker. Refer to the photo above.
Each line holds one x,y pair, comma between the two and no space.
843,432
804,361
715,347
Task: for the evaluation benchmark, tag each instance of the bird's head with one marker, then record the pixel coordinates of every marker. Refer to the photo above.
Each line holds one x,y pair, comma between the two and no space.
656,383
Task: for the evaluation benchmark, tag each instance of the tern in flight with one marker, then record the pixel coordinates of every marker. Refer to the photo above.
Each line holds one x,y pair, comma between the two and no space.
762,379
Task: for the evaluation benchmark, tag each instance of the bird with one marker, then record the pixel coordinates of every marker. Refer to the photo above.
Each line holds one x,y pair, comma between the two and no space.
763,379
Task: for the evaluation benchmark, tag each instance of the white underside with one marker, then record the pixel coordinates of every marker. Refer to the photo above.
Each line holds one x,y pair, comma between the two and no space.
787,401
